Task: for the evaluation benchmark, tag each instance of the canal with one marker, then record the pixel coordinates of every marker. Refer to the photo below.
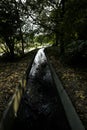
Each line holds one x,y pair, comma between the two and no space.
40,107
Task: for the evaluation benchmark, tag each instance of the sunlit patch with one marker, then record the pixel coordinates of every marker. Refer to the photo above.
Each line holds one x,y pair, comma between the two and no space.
80,94
39,59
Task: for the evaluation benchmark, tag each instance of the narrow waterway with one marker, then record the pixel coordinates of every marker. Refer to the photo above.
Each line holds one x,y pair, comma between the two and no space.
40,106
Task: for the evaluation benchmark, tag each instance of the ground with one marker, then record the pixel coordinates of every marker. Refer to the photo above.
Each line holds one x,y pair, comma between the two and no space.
10,75
74,80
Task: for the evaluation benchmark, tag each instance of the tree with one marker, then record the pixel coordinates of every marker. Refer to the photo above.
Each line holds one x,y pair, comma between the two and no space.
8,24
76,19
59,18
11,23
49,15
39,38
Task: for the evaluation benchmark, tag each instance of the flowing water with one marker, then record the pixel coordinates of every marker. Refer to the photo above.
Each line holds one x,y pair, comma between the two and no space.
40,106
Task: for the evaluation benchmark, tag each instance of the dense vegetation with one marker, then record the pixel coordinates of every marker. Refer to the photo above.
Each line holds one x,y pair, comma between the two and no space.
62,23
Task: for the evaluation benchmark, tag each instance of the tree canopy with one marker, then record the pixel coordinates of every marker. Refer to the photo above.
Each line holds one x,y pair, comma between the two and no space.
10,23
65,19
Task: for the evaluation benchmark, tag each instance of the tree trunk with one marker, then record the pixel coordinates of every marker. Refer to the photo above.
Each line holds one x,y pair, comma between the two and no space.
62,48
12,51
10,45
56,39
22,41
21,35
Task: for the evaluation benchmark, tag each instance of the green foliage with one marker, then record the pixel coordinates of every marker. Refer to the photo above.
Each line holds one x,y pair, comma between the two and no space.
78,47
44,39
66,20
76,52
8,19
75,19
62,22
10,23
39,39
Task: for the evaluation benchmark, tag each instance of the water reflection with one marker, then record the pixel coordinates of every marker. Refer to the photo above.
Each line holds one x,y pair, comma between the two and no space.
40,107
39,60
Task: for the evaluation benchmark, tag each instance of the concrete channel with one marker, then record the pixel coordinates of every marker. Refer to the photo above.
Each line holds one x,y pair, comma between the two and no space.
41,103
10,113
